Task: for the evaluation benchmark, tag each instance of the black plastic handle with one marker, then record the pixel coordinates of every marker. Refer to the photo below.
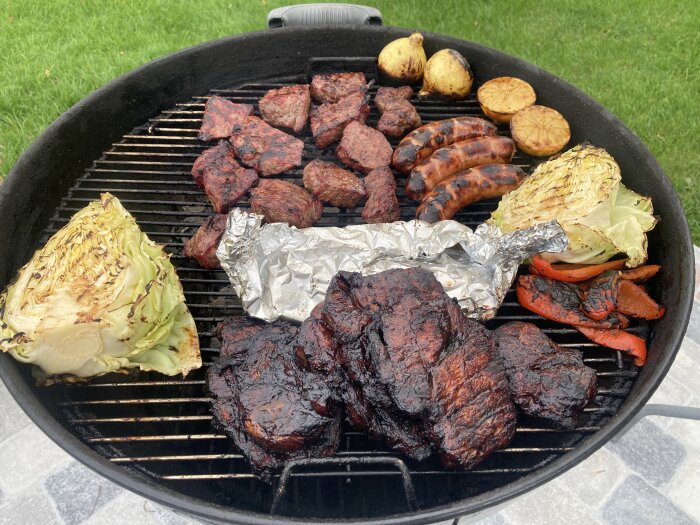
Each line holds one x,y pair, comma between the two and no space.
323,14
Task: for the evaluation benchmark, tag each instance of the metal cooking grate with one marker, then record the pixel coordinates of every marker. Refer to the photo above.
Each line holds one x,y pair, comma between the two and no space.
161,427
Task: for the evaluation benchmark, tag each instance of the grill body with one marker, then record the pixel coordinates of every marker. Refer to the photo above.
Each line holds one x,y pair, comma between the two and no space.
136,138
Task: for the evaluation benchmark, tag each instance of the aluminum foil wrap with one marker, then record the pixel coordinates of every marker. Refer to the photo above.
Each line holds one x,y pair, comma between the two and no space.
282,271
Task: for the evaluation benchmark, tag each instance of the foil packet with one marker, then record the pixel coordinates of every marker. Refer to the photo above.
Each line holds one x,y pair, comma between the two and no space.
281,271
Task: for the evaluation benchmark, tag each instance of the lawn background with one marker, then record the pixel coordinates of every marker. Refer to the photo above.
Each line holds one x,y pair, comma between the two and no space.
640,59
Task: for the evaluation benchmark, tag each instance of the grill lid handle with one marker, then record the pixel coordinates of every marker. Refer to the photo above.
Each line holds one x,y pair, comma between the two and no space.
323,14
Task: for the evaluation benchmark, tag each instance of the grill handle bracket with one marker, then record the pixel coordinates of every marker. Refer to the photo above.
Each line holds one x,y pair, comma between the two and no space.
674,411
323,14
290,466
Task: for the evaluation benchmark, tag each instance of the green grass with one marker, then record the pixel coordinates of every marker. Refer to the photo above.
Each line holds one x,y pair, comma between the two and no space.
639,59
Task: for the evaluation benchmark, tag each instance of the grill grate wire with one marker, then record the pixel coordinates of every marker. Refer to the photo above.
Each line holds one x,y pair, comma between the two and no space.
161,427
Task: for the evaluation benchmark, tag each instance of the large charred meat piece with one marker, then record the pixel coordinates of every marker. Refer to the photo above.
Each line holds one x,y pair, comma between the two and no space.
219,117
203,244
430,377
546,380
333,185
331,87
363,148
398,114
222,178
287,107
329,120
272,406
281,201
382,204
267,150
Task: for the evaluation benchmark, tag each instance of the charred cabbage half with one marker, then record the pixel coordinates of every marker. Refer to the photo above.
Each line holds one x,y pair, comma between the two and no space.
582,190
99,297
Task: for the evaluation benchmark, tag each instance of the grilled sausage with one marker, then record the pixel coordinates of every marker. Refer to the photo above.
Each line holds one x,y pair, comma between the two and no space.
482,182
449,161
423,141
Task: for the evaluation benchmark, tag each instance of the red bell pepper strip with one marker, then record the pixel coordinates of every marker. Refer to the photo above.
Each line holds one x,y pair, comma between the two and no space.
559,302
618,340
640,274
572,273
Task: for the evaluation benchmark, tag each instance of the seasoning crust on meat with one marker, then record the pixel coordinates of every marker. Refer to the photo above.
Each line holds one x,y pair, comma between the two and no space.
287,107
363,148
281,201
219,117
333,185
203,244
331,87
267,150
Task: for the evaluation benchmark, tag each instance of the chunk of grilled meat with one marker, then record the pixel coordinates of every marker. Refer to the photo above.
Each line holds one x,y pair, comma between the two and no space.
363,148
546,380
429,378
329,120
223,179
333,185
281,201
330,88
287,107
382,204
266,149
272,407
398,114
219,117
203,244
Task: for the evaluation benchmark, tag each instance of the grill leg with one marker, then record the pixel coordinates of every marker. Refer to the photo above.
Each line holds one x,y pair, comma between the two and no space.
660,410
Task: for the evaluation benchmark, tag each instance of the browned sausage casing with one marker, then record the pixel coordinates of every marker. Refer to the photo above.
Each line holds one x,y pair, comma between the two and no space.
449,161
482,182
423,141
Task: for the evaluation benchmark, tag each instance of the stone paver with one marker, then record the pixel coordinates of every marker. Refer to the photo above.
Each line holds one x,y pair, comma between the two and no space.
78,492
635,502
650,451
539,508
594,479
32,506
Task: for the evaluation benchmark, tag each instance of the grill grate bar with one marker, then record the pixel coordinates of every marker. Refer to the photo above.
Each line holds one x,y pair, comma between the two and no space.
184,437
139,401
146,419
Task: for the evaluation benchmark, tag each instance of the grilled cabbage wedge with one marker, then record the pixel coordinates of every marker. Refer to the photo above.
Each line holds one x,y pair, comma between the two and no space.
501,98
99,297
582,190
540,131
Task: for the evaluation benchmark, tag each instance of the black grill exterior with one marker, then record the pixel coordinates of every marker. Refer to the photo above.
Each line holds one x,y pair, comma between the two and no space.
153,434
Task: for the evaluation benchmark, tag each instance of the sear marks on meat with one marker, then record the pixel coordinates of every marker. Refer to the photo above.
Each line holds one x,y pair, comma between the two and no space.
363,148
287,107
430,378
273,408
203,244
219,117
333,185
398,114
382,204
223,179
281,201
546,380
329,120
330,88
267,150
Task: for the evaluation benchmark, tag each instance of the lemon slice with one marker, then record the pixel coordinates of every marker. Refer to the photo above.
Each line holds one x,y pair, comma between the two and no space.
500,98
539,131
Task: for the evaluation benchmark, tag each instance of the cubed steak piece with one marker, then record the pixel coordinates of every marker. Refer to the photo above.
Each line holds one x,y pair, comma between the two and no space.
219,117
546,380
287,107
203,244
329,88
329,120
398,114
382,204
333,185
273,407
267,150
281,201
222,178
363,148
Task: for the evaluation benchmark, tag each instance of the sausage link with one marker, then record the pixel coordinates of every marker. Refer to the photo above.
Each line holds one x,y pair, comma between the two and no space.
475,184
449,161
423,141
